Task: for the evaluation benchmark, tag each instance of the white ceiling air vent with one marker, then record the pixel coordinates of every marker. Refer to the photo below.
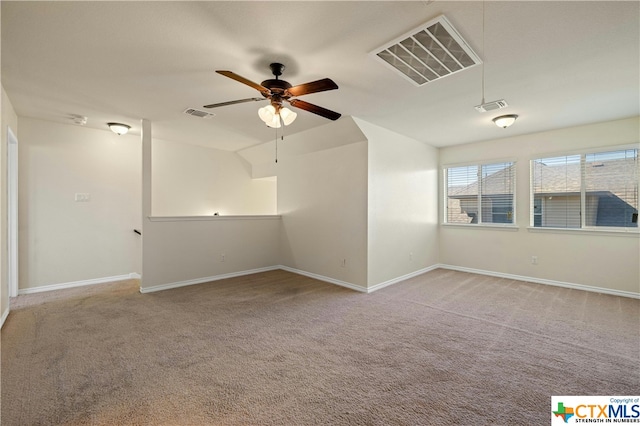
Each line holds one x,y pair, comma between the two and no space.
198,113
491,106
432,51
78,119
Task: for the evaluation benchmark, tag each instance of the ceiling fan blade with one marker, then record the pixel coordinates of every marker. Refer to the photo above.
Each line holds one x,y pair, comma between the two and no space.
240,101
313,87
243,80
331,115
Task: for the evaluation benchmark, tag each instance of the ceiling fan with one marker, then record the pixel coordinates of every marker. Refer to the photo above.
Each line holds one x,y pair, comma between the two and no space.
278,91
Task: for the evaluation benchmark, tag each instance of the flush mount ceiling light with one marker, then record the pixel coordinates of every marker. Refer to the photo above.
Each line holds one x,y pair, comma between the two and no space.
118,128
272,117
505,121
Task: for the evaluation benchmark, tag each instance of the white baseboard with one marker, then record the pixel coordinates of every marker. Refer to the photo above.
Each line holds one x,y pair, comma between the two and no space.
402,278
543,281
73,284
358,287
351,286
205,279
325,279
5,314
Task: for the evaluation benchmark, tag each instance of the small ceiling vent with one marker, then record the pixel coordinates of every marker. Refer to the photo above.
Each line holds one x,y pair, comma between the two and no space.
198,113
432,51
491,106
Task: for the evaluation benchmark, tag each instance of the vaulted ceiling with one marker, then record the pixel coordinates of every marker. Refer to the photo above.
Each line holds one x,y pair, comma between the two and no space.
557,64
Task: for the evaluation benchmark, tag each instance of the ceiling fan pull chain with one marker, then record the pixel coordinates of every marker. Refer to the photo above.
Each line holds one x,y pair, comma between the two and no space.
281,135
282,126
276,144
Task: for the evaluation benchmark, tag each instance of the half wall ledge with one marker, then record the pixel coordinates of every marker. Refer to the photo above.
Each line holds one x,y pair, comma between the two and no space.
211,218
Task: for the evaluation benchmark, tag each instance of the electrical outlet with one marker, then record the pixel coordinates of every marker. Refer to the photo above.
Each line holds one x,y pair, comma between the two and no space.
223,257
343,263
82,197
534,260
411,256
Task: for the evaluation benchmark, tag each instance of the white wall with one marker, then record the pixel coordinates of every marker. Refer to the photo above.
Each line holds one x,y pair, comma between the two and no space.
8,119
604,260
182,251
342,195
190,180
402,200
61,240
322,197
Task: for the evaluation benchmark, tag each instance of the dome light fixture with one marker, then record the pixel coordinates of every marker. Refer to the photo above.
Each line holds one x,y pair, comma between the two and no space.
119,128
505,121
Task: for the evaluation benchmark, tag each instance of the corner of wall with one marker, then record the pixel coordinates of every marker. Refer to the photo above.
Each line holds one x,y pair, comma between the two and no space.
322,198
8,118
402,205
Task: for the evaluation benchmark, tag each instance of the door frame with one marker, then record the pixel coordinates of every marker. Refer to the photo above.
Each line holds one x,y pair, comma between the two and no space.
12,212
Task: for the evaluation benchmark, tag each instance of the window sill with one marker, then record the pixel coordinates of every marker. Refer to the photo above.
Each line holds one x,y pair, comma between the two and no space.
620,232
485,226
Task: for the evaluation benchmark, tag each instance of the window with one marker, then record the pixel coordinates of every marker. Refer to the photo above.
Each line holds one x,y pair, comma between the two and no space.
587,190
480,194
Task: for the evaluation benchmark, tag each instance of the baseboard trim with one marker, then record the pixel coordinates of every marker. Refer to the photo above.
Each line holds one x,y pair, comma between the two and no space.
325,279
402,278
351,286
543,281
195,281
73,284
318,277
5,314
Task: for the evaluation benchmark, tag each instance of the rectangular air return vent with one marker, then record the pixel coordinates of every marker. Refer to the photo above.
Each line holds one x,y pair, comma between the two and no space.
491,106
432,51
198,113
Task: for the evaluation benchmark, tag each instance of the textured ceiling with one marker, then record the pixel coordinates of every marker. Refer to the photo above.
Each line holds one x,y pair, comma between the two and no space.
557,64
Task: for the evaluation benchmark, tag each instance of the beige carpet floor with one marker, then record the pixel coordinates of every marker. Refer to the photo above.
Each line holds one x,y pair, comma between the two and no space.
444,348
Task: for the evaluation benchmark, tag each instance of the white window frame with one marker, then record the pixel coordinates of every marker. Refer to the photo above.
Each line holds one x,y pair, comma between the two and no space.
480,224
584,228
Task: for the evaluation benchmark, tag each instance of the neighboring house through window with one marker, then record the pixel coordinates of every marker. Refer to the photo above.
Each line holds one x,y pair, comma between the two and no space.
480,194
586,190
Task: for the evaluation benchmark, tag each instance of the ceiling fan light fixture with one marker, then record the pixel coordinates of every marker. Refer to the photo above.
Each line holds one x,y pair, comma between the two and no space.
271,118
288,116
119,128
266,113
505,121
274,122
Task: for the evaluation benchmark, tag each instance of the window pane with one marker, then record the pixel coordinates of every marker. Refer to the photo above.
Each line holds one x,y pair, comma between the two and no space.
556,192
494,183
462,194
611,188
497,193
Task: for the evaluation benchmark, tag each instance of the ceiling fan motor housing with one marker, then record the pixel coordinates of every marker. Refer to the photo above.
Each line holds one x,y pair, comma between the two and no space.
275,85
